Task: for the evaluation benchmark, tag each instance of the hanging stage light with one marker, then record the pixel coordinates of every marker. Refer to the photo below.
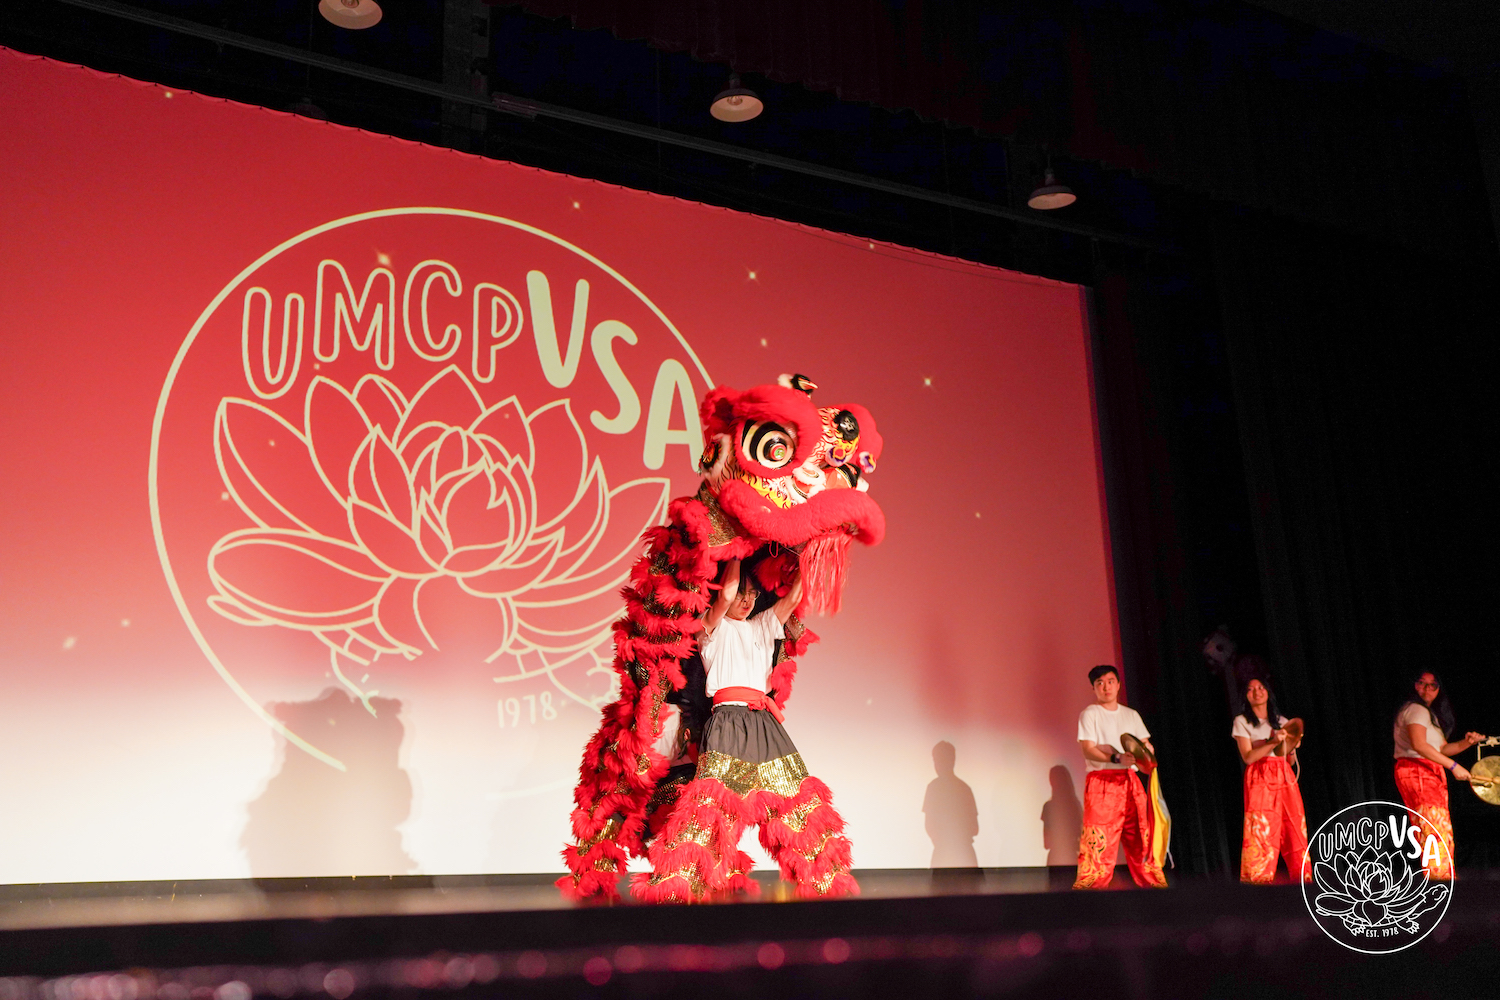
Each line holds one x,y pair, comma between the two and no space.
737,104
1051,194
352,14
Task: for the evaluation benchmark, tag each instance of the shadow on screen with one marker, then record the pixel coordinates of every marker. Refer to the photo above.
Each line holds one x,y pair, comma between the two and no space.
952,822
1062,822
315,820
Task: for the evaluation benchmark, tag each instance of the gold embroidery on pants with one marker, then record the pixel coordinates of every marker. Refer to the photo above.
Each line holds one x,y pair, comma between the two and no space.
1091,866
1439,824
1257,860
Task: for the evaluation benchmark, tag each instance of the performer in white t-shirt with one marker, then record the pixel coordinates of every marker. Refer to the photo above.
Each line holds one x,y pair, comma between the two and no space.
1423,752
1275,821
749,771
1114,803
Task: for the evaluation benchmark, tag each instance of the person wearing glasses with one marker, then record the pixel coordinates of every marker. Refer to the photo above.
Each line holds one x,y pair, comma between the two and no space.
1423,753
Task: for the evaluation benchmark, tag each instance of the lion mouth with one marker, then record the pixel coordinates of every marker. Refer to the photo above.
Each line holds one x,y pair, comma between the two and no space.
783,497
850,512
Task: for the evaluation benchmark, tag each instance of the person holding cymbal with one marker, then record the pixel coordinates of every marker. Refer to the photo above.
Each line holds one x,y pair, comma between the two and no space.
1114,803
1275,821
1423,752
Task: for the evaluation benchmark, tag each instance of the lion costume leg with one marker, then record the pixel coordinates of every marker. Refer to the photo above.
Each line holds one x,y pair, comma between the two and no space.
804,834
696,858
621,767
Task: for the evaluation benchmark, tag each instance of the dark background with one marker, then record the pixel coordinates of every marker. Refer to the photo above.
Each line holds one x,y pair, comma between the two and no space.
1294,291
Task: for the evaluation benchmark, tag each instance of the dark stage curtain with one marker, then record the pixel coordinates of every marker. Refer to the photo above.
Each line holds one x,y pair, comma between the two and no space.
1361,451
1144,315
1214,95
1364,382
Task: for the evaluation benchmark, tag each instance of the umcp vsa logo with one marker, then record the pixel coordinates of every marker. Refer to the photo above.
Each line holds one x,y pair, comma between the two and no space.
1371,889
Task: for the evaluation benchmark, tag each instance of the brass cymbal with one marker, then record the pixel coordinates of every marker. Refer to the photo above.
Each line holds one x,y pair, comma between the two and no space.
1144,758
1293,739
1484,778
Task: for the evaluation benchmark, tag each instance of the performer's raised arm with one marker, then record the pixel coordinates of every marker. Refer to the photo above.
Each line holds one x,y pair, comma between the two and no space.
727,592
784,607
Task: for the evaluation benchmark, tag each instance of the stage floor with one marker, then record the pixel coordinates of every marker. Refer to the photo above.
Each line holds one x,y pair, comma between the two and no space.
1005,932
103,904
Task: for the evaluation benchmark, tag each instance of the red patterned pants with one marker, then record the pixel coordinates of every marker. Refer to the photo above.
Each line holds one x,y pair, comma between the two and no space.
1275,823
1424,789
1115,808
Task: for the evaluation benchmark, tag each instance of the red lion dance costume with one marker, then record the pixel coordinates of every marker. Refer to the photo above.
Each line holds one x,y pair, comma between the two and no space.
784,482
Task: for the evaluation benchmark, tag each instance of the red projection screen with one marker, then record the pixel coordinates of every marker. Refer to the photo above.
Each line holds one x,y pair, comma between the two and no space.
242,632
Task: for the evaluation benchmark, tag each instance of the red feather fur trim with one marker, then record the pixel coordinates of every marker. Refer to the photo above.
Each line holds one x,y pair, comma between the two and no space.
830,510
825,570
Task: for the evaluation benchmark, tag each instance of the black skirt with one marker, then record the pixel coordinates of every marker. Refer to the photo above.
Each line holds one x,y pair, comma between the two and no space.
748,750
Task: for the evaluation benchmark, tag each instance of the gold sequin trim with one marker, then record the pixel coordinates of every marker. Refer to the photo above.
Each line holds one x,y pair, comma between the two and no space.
696,834
666,793
656,607
796,820
722,527
640,631
783,775
812,855
658,695
688,873
826,882
794,629
607,832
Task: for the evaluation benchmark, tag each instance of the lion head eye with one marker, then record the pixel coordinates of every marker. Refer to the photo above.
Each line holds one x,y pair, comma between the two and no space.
768,444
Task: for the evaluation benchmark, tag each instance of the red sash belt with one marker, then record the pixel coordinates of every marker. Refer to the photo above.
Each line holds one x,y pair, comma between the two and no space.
758,701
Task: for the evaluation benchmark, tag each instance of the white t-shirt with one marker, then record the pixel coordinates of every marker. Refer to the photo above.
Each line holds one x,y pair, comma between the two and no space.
1102,726
1259,731
1416,714
738,653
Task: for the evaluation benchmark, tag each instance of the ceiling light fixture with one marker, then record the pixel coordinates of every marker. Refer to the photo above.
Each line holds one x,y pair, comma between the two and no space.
353,14
1051,194
737,104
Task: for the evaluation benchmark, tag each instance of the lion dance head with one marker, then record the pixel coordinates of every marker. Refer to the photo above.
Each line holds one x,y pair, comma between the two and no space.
792,474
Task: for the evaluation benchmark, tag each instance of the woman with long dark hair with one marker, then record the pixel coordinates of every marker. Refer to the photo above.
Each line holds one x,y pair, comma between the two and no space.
1275,822
1423,753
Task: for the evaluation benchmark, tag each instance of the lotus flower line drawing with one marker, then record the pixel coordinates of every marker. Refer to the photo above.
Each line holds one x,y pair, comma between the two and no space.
1374,890
388,526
